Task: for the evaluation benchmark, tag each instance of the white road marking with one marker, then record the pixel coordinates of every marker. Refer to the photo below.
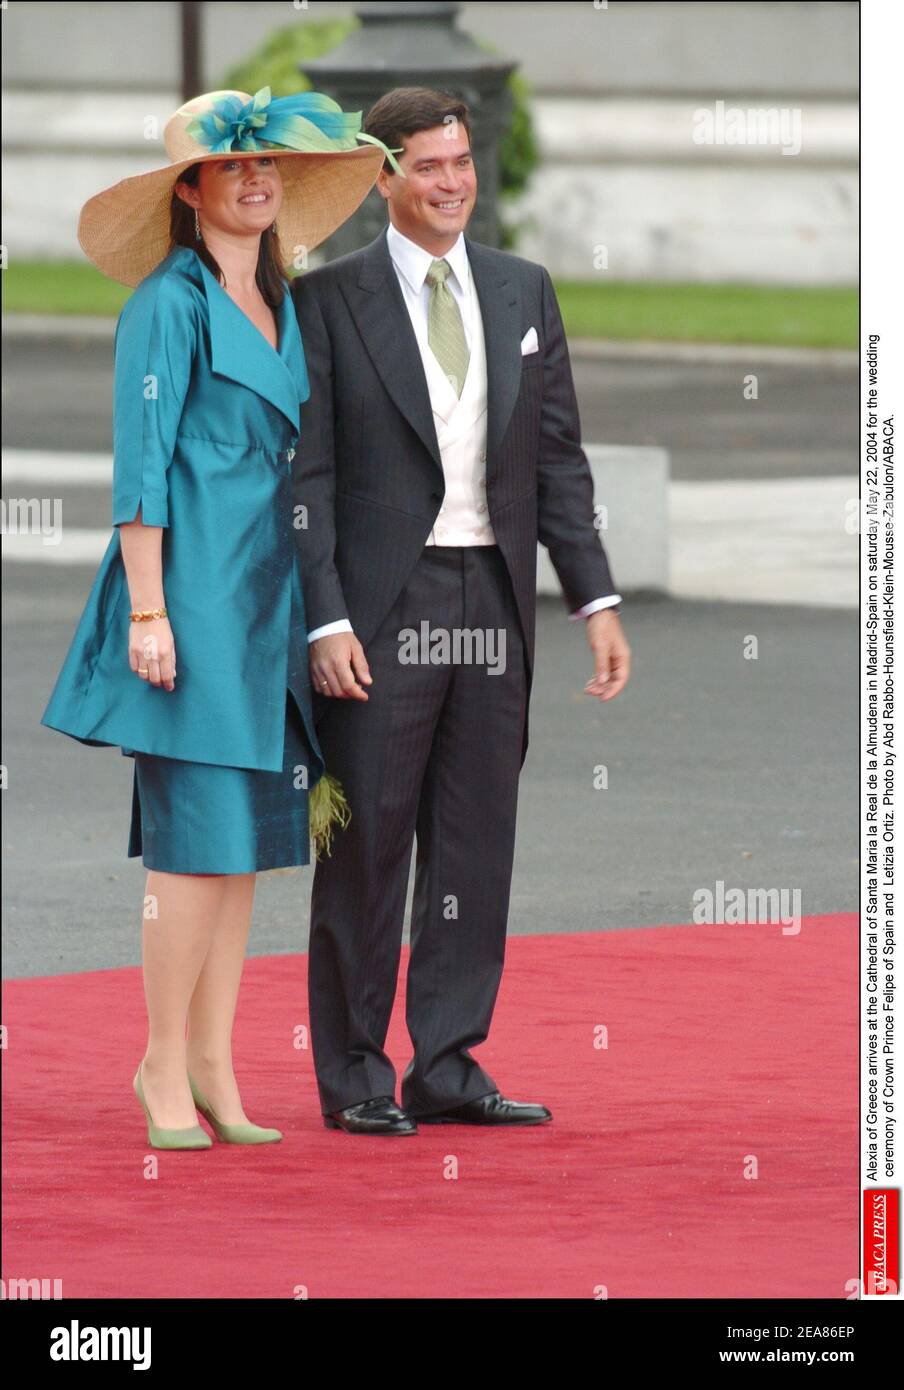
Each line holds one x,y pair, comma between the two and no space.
44,466
791,540
788,541
78,546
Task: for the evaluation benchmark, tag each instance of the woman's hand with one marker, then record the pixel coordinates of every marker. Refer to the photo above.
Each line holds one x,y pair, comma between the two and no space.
152,652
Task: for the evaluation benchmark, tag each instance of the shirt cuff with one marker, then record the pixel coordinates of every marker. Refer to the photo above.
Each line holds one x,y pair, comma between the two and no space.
340,625
595,606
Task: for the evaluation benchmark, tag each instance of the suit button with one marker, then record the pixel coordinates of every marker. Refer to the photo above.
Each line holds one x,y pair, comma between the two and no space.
483,458
482,481
481,506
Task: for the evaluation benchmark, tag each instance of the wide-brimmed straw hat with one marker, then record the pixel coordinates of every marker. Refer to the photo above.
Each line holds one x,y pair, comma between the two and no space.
326,175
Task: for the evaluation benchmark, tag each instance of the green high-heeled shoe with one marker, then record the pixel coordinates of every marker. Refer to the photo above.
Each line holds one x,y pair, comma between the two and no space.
193,1138
232,1134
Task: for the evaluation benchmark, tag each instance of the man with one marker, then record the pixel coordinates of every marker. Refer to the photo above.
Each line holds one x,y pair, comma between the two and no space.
440,441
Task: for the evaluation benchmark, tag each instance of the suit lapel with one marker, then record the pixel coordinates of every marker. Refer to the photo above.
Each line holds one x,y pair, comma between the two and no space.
497,294
381,315
239,351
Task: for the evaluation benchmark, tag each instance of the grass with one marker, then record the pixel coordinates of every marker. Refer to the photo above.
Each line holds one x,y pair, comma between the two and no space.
60,287
710,313
614,309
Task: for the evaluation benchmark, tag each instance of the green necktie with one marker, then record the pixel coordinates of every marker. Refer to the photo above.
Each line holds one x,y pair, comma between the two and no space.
445,330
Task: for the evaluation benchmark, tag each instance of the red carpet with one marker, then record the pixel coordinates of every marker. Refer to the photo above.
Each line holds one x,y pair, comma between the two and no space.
723,1042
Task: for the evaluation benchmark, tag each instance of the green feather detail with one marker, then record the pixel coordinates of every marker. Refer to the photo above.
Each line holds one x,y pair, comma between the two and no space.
389,153
327,807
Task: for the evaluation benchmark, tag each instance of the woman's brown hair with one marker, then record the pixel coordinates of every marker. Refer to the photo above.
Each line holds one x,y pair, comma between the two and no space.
269,274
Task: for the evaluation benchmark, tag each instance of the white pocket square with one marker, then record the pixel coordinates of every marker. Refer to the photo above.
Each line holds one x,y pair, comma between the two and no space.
529,342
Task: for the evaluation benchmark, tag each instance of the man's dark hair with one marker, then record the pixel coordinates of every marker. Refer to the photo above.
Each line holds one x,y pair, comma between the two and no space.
406,110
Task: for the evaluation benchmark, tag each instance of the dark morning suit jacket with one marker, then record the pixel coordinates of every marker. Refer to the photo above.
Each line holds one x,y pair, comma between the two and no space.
370,474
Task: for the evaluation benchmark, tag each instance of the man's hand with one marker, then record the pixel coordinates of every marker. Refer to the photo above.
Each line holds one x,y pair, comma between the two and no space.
338,663
611,654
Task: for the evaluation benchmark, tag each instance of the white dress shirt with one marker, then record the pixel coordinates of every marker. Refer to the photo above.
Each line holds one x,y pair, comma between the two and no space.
411,263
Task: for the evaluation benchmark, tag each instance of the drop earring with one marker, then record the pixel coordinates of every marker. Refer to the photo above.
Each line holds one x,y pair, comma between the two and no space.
273,229
197,227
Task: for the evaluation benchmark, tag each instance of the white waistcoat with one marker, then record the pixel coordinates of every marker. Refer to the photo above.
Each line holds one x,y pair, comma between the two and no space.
461,432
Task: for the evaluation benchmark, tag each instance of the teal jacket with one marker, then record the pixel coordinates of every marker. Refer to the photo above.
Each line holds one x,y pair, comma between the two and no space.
205,420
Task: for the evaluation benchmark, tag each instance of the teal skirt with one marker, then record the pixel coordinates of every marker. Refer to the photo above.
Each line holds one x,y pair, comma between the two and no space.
199,818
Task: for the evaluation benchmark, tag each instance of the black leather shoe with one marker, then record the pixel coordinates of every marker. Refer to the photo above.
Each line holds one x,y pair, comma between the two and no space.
380,1115
493,1109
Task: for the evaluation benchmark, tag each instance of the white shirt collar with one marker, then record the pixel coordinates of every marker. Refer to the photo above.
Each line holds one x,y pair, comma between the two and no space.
414,262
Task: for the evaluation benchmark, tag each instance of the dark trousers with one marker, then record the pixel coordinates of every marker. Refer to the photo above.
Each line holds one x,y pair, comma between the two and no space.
435,752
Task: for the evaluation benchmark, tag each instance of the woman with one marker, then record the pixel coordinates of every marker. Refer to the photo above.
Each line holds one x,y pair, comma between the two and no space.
191,654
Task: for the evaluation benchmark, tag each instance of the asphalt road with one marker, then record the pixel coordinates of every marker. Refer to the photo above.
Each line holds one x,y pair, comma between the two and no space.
57,395
719,768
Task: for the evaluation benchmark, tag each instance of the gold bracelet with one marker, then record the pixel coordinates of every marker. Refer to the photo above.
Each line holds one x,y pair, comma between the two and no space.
147,614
